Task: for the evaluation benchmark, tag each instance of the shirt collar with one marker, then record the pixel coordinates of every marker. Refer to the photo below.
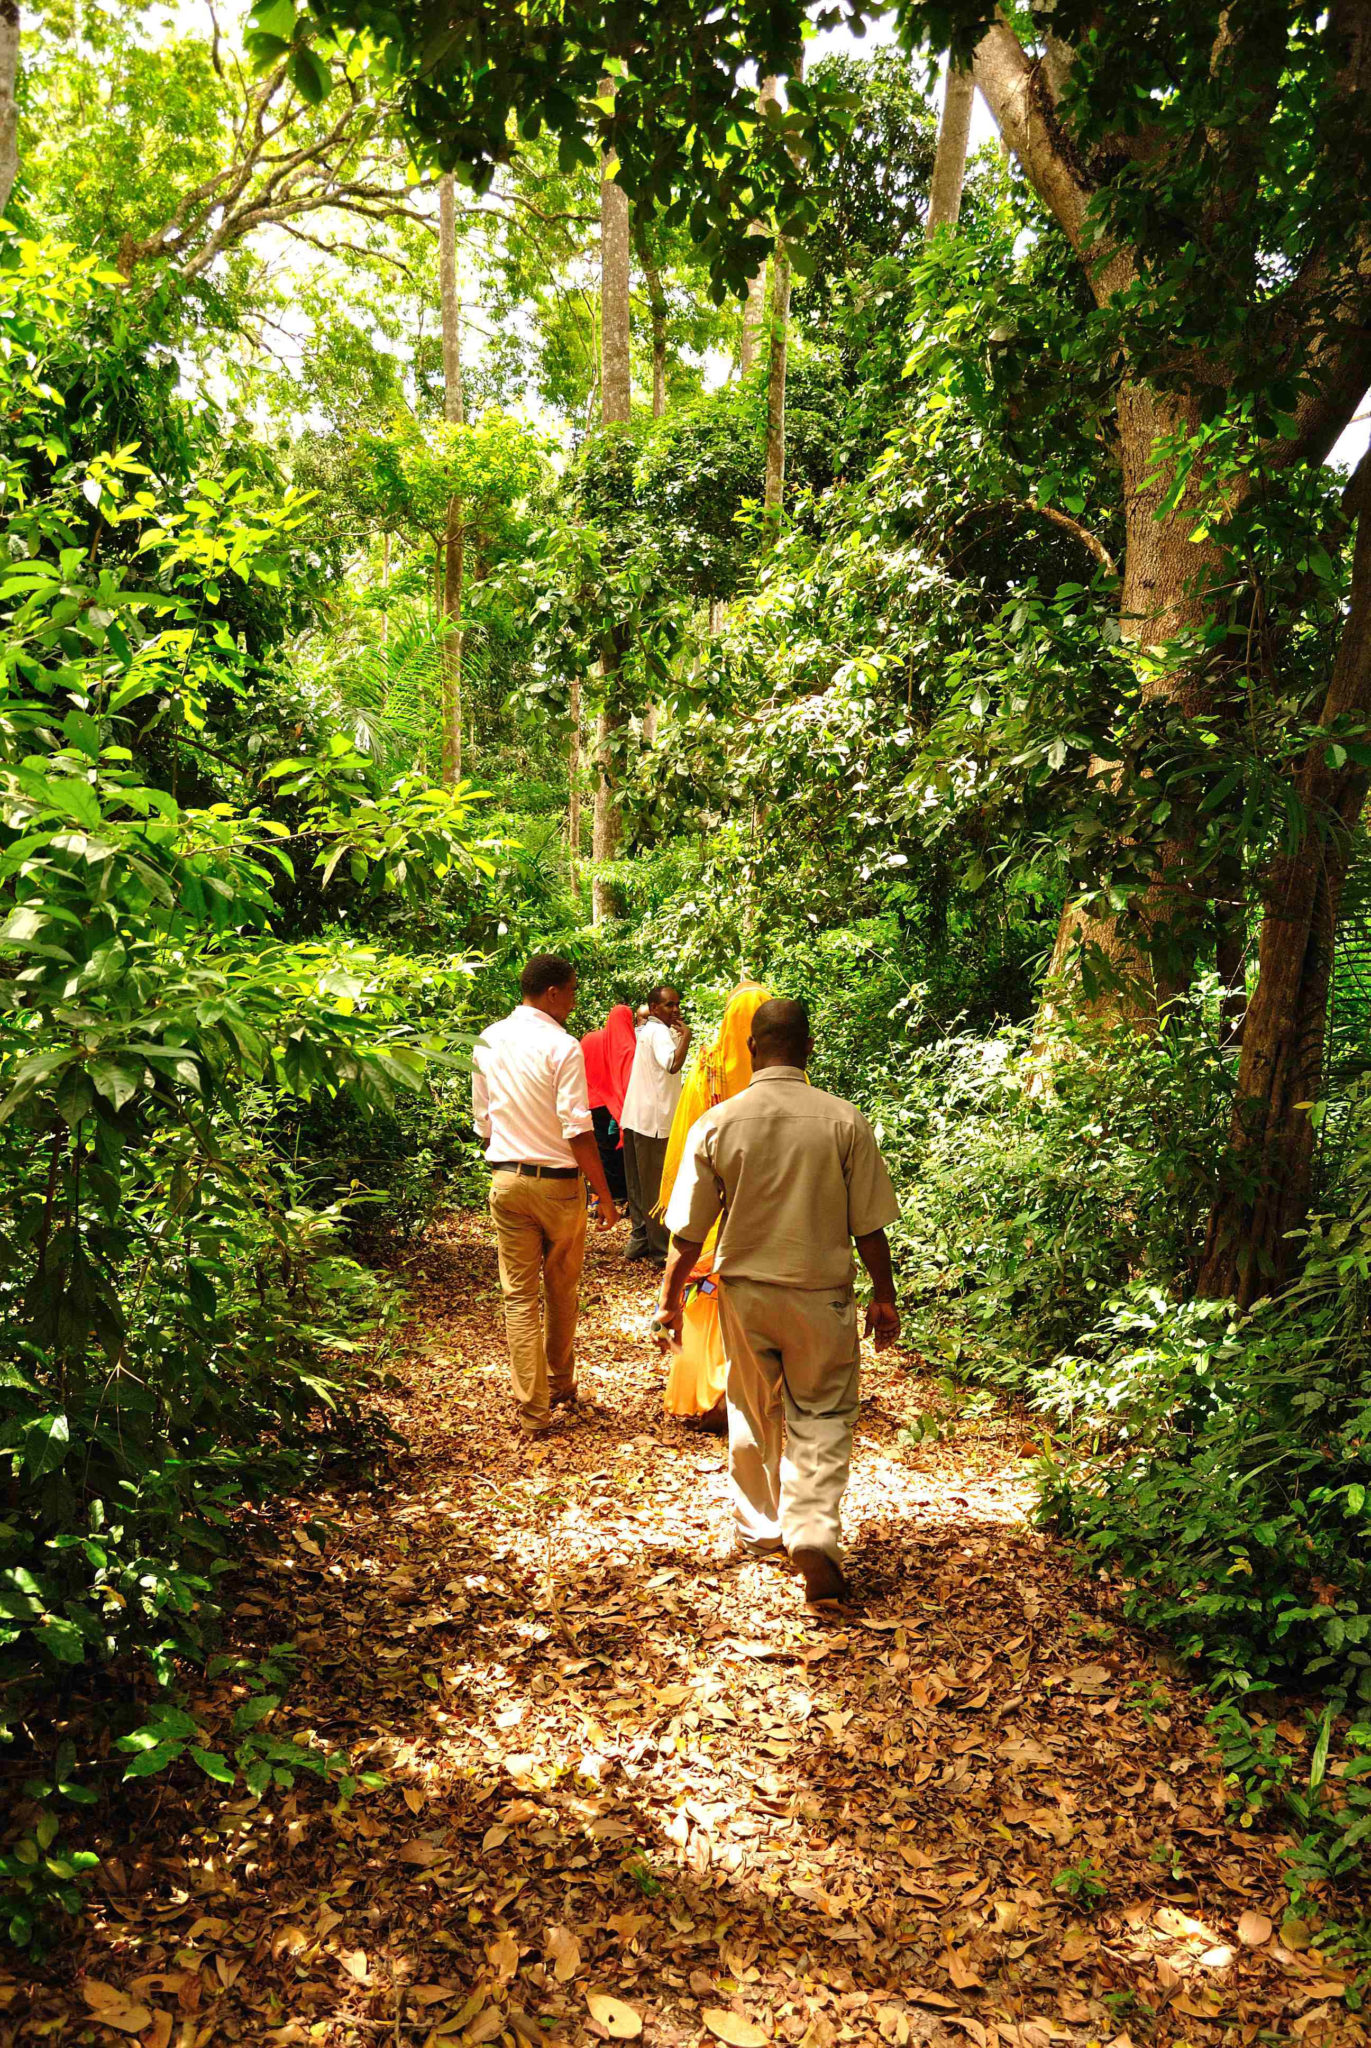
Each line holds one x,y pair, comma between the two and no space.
777,1074
539,1016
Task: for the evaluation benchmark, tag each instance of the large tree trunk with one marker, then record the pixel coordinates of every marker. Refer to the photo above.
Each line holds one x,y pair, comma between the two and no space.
454,538
616,405
754,307
1141,963
9,98
949,164
1271,1141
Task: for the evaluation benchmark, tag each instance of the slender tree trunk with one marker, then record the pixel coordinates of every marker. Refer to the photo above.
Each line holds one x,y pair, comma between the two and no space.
773,490
615,328
754,319
616,405
9,98
658,309
754,307
949,164
657,305
454,538
573,809
1271,1141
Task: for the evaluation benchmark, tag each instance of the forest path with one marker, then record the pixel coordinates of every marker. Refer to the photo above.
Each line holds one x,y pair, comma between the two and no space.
617,1764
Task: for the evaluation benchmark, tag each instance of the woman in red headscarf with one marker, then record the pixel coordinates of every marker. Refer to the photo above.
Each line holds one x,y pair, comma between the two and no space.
609,1061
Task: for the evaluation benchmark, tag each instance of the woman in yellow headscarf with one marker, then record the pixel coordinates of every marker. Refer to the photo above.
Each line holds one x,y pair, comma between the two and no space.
695,1381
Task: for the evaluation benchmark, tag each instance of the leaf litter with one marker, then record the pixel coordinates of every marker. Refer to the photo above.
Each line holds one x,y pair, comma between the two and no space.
632,1788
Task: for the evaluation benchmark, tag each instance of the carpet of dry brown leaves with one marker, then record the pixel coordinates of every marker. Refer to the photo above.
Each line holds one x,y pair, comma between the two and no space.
632,1788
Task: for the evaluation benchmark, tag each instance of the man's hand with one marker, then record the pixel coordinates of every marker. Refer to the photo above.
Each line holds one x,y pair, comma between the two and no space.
668,1326
883,1323
609,1216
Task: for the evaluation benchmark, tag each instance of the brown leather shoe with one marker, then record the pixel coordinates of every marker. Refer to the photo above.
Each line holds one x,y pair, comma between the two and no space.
824,1581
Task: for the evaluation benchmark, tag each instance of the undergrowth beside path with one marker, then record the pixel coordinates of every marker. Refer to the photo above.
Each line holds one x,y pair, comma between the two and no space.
619,1768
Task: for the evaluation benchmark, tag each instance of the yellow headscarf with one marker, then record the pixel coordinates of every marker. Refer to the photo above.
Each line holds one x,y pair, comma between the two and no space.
717,1074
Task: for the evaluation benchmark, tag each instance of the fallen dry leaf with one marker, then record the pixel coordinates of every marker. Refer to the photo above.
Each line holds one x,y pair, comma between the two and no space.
158,2034
614,2016
1254,1929
485,2027
732,2027
564,1952
114,2008
423,1855
963,1974
503,1956
354,1961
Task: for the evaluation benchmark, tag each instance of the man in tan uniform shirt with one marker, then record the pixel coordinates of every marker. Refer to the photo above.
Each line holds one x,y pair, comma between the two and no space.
796,1176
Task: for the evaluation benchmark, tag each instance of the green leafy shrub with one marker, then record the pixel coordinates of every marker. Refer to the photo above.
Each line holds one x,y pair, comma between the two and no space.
1221,1464
1027,1200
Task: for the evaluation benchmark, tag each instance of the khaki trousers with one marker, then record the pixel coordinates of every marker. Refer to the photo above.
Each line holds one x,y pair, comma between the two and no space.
540,1228
793,1358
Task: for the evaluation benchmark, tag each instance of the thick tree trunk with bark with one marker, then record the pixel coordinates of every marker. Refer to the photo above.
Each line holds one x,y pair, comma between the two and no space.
949,163
1271,1142
616,405
454,538
1163,597
9,98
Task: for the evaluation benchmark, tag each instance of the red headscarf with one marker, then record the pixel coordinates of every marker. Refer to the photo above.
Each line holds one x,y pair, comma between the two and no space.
621,1042
597,1067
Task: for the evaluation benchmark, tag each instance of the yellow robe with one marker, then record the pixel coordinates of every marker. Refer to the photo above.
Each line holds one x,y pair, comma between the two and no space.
695,1380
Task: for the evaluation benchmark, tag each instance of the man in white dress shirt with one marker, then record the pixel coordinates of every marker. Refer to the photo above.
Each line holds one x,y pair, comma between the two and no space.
654,1088
529,1100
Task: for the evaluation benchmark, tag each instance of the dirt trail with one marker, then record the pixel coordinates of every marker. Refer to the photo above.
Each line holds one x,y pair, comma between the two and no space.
616,1764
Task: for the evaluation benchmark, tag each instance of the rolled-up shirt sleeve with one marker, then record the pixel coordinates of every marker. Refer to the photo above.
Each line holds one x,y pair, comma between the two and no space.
871,1200
480,1098
573,1097
697,1199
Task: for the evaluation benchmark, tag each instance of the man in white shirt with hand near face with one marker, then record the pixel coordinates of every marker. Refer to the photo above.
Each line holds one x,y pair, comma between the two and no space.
654,1088
532,1110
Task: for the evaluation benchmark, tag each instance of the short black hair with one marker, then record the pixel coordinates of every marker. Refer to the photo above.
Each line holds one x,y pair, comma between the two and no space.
782,1025
545,971
663,988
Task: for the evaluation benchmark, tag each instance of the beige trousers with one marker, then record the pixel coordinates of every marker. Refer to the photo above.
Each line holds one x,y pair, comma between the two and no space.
540,1228
793,1359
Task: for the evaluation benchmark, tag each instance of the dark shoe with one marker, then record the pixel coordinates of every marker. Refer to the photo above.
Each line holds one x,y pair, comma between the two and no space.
555,1425
824,1581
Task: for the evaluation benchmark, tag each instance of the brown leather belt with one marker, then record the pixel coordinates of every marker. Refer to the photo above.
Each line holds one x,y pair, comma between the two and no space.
534,1172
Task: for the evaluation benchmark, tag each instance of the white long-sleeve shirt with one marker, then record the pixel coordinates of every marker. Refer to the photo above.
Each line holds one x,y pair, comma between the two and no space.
528,1089
653,1089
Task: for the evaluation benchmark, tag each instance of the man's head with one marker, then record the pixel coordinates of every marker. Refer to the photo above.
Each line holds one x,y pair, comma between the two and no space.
664,1001
780,1034
548,983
